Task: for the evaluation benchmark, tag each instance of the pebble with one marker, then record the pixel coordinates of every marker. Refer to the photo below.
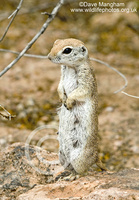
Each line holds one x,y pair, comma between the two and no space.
20,107
22,115
109,109
30,102
135,149
3,142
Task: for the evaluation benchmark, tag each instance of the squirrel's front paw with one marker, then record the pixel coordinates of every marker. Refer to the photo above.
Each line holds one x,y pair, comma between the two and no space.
70,103
63,98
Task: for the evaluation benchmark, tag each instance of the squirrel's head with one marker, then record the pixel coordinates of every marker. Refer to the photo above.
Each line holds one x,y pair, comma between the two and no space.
69,52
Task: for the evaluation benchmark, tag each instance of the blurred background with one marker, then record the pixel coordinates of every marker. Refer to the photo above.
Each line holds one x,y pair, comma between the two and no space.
29,89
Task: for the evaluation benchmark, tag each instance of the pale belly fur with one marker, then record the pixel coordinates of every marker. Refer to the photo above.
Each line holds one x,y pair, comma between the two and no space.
74,123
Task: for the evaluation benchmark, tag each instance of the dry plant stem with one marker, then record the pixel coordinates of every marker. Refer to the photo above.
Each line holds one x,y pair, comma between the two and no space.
37,8
26,55
8,116
29,45
43,6
123,76
93,59
130,95
13,15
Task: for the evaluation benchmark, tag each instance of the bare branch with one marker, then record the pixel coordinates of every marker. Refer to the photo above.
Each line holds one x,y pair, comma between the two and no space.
93,59
8,116
26,55
46,13
122,75
130,95
29,45
13,15
33,9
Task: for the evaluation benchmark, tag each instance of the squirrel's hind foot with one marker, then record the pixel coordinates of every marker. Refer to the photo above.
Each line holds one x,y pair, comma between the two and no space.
67,176
101,165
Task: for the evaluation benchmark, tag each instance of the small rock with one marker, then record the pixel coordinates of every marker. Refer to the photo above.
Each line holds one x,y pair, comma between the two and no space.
30,102
135,149
20,107
40,123
22,115
109,109
10,138
118,143
3,142
29,110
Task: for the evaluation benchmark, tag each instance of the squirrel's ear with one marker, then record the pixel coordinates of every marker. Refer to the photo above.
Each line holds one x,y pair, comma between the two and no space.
84,50
57,41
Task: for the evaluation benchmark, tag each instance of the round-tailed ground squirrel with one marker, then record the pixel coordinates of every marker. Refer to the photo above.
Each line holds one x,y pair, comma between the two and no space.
78,115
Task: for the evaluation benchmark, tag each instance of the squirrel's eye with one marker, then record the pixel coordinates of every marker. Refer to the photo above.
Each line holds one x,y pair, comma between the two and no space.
67,50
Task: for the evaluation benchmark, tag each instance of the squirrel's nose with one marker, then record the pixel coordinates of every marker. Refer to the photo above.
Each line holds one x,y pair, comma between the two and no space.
49,57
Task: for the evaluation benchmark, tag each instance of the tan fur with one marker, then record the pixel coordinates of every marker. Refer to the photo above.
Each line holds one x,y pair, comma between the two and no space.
60,44
78,128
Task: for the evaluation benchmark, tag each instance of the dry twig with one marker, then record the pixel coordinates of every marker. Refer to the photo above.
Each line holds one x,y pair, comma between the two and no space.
29,45
136,97
26,54
107,65
122,75
93,59
8,116
13,15
33,9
